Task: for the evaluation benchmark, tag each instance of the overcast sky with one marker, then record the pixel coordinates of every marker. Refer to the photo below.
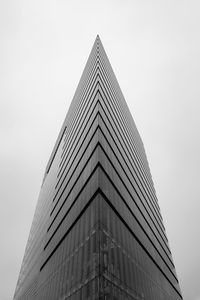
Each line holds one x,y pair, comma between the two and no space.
154,49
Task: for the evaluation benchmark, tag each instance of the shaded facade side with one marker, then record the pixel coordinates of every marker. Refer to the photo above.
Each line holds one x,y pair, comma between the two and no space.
31,262
97,232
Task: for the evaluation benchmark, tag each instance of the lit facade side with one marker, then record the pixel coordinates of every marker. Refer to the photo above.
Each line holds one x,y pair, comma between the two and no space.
97,232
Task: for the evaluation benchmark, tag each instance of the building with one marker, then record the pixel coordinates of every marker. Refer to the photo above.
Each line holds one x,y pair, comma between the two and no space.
97,231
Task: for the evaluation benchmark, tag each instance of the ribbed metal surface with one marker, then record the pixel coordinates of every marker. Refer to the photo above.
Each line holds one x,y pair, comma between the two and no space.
97,231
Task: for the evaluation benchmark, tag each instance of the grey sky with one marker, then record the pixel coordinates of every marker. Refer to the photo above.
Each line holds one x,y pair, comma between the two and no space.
154,48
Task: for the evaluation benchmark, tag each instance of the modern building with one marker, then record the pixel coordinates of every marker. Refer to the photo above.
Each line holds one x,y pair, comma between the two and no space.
97,232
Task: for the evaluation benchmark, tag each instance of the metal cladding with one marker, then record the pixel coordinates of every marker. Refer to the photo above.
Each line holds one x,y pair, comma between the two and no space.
97,231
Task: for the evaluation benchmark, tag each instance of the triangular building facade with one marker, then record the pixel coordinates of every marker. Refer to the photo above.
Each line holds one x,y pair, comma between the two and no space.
97,231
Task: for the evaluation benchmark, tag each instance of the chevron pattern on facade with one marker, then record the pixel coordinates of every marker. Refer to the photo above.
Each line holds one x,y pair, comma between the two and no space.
97,231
